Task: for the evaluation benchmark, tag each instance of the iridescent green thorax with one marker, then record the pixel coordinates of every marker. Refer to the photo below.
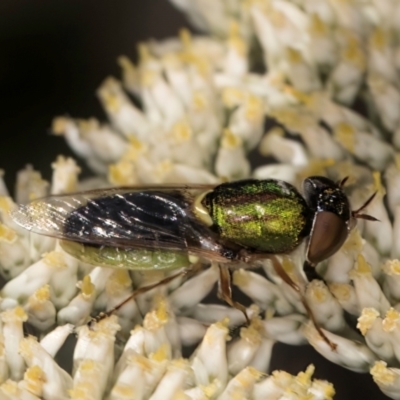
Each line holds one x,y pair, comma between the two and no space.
268,216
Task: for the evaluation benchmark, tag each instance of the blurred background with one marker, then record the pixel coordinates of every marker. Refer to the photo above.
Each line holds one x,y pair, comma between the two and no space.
54,55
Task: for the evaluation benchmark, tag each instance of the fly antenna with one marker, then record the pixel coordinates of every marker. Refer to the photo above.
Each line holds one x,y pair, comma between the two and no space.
356,213
343,181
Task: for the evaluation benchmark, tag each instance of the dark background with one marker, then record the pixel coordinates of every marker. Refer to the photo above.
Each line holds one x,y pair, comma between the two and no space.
54,54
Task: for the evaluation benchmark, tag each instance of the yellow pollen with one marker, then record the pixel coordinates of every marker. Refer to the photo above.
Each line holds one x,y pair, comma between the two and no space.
126,64
199,101
287,265
300,96
294,56
269,313
157,318
317,26
6,204
163,167
88,365
135,143
246,378
318,291
297,119
277,18
148,77
235,39
230,140
381,374
27,347
78,393
234,28
277,131
87,287
362,267
162,353
378,183
353,53
119,279
66,165
223,324
107,327
144,52
10,387
345,135
366,319
43,294
135,149
254,108
180,395
111,102
282,378
396,160
180,363
304,378
35,377
211,390
7,234
59,125
122,173
15,314
341,291
232,97
161,310
172,61
240,278
391,320
123,391
200,63
253,333
87,125
391,267
378,83
354,242
325,387
55,259
109,93
144,363
181,132
378,39
346,168
186,38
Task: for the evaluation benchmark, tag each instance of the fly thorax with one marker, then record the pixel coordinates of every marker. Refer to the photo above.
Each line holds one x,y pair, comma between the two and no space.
267,216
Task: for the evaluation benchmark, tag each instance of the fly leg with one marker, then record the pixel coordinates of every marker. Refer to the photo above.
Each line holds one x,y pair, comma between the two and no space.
287,279
311,272
140,291
225,291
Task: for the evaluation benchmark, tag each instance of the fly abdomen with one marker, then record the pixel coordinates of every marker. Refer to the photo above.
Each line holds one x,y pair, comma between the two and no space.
127,258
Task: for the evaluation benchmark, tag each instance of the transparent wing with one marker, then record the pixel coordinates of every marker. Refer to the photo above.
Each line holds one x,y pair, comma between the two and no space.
145,217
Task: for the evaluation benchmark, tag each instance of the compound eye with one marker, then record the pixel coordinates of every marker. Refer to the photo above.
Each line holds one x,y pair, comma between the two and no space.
327,236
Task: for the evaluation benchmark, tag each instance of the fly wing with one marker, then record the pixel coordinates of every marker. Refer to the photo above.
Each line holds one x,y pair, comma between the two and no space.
146,217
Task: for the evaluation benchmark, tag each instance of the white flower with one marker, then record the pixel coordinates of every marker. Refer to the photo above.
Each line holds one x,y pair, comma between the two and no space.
204,107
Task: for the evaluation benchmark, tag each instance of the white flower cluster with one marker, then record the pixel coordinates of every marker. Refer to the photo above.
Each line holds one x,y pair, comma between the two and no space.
149,367
200,108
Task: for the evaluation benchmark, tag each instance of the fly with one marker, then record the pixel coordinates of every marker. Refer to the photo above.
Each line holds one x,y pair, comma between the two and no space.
179,227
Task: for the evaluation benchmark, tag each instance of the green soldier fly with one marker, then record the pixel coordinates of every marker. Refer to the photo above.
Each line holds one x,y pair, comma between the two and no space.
177,227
